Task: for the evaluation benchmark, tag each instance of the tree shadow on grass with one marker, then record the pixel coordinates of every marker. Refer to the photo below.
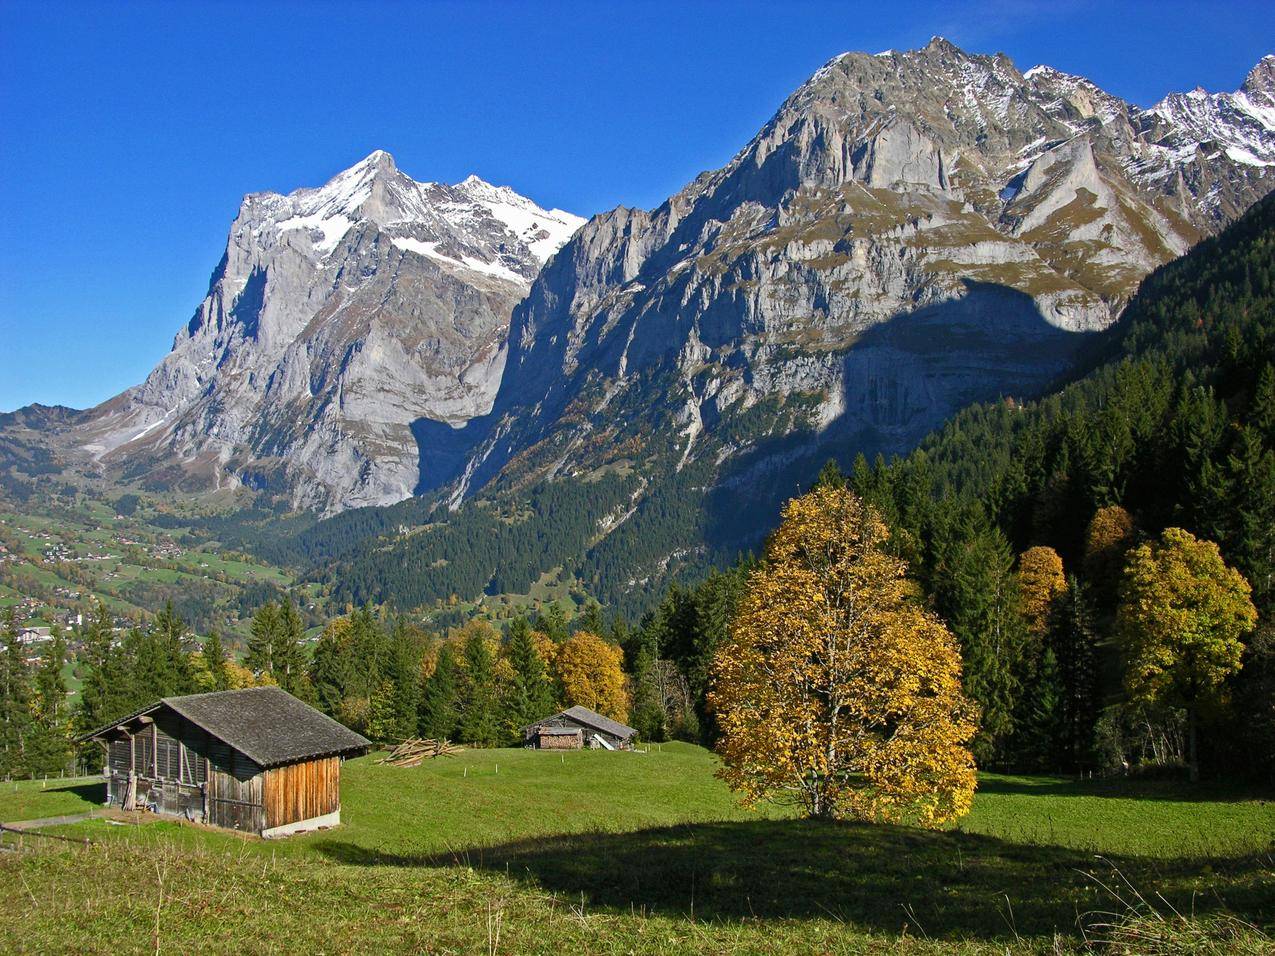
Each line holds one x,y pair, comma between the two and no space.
1127,788
944,884
94,793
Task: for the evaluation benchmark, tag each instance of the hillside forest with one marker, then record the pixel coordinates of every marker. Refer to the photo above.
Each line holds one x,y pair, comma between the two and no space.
1103,557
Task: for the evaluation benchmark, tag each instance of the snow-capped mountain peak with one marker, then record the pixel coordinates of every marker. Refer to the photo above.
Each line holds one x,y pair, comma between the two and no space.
1241,124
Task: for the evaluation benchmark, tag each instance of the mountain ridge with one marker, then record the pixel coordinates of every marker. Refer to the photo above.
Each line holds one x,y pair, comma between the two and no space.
910,233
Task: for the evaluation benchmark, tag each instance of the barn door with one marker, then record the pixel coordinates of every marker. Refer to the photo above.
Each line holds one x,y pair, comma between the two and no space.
234,791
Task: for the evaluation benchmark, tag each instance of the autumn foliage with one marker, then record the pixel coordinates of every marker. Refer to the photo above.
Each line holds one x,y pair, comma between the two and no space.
1040,584
1182,615
591,674
836,688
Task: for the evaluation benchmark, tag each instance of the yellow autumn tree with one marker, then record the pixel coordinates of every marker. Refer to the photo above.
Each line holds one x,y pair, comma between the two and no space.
1108,539
238,677
590,672
1181,618
835,688
1040,583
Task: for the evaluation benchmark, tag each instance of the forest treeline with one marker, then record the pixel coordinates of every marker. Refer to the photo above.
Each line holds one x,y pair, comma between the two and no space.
1032,530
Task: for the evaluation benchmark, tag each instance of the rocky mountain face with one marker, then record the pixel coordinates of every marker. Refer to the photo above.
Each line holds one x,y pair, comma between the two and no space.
910,233
338,319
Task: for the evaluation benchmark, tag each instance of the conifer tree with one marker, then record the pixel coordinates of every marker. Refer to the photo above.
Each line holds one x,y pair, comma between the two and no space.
15,699
649,718
287,655
214,654
262,639
1073,639
479,720
830,476
977,594
551,622
50,745
529,695
100,692
331,666
404,680
439,712
163,669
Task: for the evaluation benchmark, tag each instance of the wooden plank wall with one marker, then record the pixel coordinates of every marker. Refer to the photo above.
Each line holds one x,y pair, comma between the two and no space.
234,790
300,791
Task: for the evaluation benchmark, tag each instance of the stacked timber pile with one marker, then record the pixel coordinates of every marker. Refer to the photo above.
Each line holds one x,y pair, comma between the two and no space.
413,750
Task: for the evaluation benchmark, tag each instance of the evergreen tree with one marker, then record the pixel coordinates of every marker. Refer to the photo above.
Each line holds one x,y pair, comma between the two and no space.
830,475
529,695
1039,743
404,681
49,748
649,718
262,639
287,655
552,622
590,619
1073,639
479,721
331,666
977,593
439,713
100,692
15,700
162,668
214,654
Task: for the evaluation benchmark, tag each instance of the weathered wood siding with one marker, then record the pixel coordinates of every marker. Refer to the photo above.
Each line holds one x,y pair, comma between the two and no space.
300,791
235,790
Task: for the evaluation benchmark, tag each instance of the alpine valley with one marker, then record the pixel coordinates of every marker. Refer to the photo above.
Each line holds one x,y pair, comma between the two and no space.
415,390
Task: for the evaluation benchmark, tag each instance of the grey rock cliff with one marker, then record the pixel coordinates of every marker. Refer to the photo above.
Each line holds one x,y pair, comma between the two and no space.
910,233
338,318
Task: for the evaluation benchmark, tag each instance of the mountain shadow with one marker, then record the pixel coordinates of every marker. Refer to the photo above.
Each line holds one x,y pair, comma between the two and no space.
878,878
901,379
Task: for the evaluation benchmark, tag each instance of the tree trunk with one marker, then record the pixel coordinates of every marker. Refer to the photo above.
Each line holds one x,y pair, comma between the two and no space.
1193,764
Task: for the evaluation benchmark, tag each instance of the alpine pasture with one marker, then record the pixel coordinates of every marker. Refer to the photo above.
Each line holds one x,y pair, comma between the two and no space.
527,851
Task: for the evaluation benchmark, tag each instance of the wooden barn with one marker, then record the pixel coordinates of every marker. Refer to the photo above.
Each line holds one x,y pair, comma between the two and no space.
256,760
576,728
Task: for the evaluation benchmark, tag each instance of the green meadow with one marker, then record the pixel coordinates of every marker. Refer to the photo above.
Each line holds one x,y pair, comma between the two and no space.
525,851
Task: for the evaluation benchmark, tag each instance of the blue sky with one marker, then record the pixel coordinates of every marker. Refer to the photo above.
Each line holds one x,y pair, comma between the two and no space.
130,131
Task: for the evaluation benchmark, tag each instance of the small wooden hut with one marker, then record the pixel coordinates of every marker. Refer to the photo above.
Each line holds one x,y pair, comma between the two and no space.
256,760
576,728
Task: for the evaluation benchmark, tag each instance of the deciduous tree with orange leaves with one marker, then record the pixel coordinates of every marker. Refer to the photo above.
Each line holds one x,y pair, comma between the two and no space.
591,673
836,689
1040,584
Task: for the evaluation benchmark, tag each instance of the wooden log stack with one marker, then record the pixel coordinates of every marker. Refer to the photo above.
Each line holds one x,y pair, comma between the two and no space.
415,749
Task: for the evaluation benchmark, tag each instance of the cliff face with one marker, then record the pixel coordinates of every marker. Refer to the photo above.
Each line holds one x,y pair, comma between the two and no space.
910,232
337,319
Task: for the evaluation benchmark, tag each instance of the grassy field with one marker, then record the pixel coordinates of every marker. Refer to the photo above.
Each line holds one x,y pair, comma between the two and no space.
520,851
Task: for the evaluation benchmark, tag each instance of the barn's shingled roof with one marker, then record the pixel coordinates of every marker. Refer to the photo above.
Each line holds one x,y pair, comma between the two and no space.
590,718
267,724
